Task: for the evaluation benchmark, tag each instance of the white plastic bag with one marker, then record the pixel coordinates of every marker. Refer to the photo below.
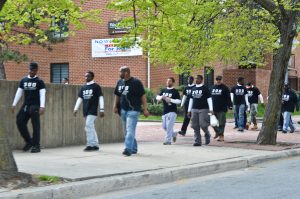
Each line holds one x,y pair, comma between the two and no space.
214,121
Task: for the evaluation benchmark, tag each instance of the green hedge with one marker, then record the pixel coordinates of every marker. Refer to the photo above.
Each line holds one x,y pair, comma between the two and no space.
155,109
149,95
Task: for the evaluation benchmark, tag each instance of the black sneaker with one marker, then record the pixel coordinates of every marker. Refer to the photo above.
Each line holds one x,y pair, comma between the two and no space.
134,152
126,153
181,133
89,148
95,148
292,130
241,130
284,131
27,147
197,144
35,149
207,139
167,143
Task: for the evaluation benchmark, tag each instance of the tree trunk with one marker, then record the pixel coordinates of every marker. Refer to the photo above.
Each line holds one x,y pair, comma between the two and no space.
7,161
2,71
268,132
2,2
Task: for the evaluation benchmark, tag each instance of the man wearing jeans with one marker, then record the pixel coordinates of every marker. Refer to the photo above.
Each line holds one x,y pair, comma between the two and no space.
92,97
170,97
239,97
289,102
130,94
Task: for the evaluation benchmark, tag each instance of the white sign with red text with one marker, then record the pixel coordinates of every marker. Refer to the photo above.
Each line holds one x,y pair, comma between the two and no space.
107,48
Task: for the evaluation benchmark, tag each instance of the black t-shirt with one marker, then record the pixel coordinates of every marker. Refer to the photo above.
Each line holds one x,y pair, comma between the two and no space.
90,95
200,96
221,98
239,93
289,100
32,87
188,93
173,94
253,94
130,92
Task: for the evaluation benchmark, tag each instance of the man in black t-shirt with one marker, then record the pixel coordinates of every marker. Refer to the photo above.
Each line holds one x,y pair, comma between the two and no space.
253,95
33,106
130,94
199,106
289,103
221,101
170,97
239,97
91,96
187,94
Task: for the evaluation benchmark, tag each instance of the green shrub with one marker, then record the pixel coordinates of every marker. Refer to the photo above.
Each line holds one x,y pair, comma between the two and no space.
149,95
155,109
180,88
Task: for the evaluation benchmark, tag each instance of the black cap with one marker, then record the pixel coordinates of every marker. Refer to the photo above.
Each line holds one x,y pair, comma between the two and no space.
33,66
219,77
249,84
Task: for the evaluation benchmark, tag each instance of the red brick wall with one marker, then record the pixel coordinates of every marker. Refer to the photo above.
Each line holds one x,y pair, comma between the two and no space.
263,81
230,76
159,76
77,52
259,77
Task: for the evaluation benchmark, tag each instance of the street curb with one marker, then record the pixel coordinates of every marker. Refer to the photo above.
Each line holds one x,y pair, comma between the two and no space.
102,185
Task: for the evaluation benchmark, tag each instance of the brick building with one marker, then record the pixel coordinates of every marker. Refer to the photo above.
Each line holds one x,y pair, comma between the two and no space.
74,57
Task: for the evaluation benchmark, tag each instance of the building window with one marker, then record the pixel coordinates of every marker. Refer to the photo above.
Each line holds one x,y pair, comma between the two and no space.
208,76
291,63
183,78
59,71
61,29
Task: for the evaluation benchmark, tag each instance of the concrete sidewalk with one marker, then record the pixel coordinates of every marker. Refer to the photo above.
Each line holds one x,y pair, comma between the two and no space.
108,170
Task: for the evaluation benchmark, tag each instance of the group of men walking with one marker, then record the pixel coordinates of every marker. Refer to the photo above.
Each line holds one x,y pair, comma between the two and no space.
198,101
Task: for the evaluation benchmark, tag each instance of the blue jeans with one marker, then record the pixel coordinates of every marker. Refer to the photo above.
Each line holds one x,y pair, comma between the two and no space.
239,114
287,121
129,121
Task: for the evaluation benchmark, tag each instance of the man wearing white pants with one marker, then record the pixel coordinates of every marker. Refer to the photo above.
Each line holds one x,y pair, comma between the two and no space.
170,97
92,98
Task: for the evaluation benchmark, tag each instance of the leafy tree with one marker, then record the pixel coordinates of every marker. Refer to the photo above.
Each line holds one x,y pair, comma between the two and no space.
26,22
192,33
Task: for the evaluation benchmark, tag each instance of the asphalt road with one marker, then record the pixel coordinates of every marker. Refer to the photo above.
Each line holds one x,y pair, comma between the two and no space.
273,180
